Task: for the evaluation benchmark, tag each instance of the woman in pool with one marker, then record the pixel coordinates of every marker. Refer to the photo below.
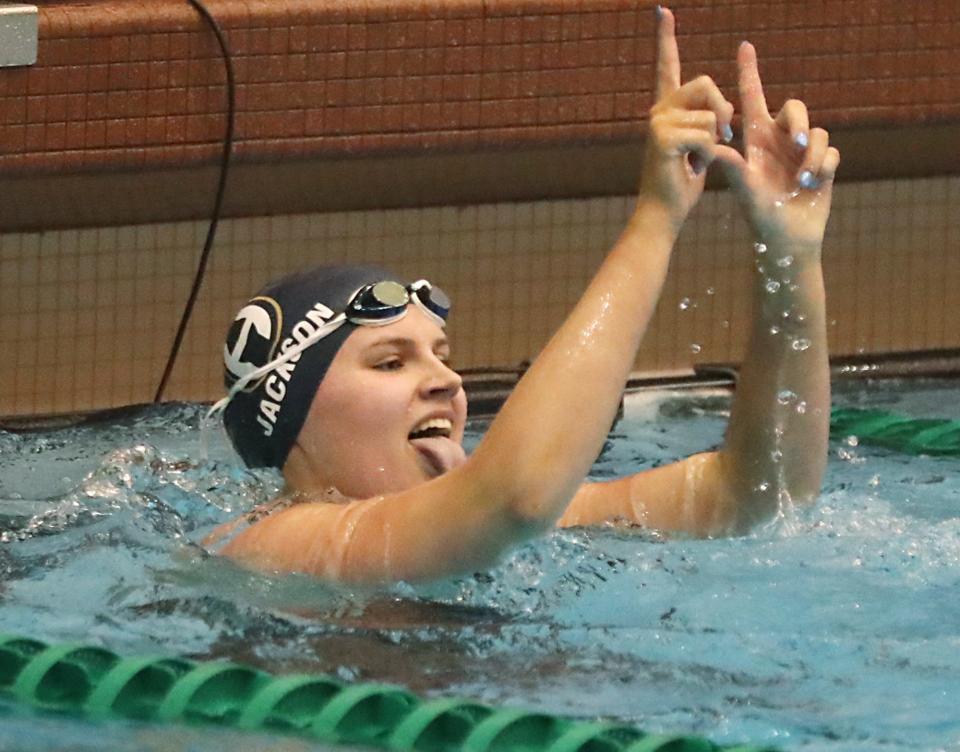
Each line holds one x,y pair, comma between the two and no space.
340,377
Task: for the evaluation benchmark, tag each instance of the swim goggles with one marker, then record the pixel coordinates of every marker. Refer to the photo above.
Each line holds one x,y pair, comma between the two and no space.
376,304
385,302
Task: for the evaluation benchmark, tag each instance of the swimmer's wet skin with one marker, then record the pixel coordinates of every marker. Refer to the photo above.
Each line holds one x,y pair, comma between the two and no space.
342,387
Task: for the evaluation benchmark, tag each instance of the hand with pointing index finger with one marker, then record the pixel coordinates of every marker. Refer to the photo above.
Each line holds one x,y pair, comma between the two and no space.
784,179
686,121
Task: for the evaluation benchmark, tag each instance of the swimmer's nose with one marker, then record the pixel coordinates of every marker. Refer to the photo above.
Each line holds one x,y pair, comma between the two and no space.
443,381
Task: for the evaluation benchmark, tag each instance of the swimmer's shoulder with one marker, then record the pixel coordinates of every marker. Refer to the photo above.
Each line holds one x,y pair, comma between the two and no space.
223,533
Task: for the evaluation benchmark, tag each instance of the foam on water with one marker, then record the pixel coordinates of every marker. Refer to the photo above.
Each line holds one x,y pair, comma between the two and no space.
837,628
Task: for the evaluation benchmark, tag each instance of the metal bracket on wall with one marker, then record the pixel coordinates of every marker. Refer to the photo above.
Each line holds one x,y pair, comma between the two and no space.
18,34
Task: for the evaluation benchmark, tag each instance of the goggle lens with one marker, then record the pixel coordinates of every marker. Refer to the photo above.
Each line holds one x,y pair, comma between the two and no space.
434,299
384,300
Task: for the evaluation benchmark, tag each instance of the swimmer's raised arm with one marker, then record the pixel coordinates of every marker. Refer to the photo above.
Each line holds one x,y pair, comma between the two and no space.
776,445
775,449
561,412
545,438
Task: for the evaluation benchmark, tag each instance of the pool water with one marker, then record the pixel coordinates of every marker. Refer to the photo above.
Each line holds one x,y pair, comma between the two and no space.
833,628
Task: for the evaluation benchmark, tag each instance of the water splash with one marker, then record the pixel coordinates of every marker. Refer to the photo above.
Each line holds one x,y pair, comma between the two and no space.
821,604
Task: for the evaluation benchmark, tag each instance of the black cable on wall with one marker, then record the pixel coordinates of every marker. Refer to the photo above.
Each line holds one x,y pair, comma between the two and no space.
218,202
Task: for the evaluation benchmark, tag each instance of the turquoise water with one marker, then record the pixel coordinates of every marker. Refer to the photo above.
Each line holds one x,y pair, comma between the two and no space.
837,628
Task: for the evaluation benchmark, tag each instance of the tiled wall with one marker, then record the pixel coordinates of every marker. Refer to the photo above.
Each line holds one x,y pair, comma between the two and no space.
120,122
88,315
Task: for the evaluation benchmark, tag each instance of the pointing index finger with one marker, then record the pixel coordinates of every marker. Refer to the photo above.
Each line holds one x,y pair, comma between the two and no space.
751,89
668,55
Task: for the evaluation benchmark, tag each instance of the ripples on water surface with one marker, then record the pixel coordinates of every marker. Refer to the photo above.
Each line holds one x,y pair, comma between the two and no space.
839,630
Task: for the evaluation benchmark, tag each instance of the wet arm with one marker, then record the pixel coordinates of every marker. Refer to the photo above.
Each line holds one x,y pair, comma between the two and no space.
775,448
524,472
538,450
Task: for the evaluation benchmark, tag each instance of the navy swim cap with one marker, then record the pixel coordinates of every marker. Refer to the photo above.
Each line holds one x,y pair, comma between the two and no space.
264,419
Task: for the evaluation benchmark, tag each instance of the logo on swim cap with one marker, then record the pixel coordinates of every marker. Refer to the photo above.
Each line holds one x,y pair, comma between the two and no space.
277,352
252,339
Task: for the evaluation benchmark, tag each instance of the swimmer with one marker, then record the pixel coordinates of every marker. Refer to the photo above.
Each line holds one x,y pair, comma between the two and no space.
340,377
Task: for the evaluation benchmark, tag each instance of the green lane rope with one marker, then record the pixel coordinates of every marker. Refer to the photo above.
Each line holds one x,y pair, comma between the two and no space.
934,436
91,681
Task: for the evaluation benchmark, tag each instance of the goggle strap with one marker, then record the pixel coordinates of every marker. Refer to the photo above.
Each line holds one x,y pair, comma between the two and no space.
240,384
334,323
378,322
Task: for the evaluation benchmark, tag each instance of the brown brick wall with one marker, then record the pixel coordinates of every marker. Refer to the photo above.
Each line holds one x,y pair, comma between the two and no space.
488,146
133,84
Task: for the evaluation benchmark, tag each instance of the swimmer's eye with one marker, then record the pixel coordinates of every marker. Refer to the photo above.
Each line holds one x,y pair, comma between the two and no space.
393,364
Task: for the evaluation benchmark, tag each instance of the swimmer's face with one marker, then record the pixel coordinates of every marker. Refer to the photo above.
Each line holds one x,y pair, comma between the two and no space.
388,415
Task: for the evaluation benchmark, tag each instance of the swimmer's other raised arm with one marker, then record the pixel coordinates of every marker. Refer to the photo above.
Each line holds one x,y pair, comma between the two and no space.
538,450
775,450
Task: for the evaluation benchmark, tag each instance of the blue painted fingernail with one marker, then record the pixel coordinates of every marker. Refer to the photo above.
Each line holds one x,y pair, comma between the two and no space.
727,132
808,181
698,167
801,139
659,11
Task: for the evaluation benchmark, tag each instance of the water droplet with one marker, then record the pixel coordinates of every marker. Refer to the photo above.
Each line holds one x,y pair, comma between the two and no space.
801,407
786,397
694,348
725,324
776,455
774,330
711,291
874,481
760,248
772,285
686,304
849,455
785,262
800,344
852,441
764,486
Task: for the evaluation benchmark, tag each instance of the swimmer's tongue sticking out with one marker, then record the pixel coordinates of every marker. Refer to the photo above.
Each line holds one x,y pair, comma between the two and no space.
438,454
